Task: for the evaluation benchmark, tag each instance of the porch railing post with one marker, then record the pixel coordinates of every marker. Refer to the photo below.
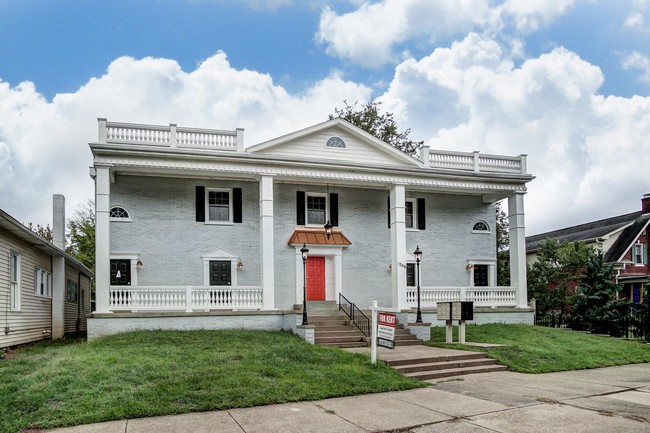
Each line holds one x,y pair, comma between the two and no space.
188,299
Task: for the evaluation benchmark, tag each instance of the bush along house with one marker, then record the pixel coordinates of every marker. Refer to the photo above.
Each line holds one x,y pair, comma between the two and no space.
193,230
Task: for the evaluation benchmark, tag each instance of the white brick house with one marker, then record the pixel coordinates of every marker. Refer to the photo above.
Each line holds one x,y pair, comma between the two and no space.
194,230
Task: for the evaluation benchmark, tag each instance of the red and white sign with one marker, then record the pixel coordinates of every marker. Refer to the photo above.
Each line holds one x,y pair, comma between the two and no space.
386,324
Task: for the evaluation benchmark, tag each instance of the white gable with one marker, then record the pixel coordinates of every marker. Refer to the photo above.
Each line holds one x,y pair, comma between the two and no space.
220,254
310,144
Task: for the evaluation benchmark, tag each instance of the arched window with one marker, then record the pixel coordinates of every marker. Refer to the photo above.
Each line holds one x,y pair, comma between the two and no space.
118,213
335,142
481,226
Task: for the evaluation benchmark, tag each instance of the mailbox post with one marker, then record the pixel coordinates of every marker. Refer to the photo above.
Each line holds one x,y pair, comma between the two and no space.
450,311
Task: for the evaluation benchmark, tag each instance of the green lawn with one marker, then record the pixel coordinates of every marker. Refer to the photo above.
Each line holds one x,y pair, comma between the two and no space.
139,374
536,349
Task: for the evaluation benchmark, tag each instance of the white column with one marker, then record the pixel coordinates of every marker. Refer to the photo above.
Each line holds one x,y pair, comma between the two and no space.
266,242
338,275
102,238
398,245
518,248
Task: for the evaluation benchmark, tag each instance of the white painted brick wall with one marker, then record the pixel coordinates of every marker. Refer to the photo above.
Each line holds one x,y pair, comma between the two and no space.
171,243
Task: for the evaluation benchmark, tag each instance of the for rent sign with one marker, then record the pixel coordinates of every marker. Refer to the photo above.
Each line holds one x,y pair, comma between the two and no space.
386,324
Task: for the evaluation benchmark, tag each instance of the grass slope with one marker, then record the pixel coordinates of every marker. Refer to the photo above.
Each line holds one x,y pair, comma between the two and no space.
536,349
140,374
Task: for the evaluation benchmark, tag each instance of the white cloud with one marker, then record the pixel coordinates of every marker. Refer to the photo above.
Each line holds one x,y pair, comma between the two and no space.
639,61
470,96
586,150
44,144
635,21
371,35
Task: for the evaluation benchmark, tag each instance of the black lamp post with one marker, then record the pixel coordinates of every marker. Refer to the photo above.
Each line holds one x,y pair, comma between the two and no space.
418,256
305,253
328,229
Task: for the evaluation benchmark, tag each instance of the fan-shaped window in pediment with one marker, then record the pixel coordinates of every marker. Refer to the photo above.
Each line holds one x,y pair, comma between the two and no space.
335,143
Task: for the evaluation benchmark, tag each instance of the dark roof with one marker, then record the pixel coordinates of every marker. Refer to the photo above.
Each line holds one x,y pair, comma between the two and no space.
626,239
584,232
11,225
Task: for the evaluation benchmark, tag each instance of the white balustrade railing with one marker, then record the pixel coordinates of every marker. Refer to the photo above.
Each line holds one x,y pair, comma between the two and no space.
186,298
481,296
475,161
170,136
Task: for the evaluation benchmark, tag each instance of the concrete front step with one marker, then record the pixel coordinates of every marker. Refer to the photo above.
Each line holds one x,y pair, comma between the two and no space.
346,344
431,366
437,374
340,339
408,342
336,334
433,359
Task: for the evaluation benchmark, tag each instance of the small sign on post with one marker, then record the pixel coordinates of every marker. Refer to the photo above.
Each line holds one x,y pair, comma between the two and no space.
376,311
386,324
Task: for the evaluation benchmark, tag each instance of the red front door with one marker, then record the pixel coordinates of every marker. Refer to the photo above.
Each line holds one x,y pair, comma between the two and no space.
316,278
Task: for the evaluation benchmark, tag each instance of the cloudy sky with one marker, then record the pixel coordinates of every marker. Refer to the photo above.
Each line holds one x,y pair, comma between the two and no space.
565,81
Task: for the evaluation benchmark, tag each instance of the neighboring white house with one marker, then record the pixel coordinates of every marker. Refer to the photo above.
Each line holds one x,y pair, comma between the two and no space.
44,292
194,230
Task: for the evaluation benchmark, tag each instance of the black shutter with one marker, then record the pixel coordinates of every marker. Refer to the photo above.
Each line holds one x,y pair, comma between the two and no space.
388,207
236,205
334,209
422,215
200,203
300,208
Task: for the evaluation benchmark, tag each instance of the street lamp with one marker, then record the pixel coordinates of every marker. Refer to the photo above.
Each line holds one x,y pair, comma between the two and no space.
418,256
328,229
305,253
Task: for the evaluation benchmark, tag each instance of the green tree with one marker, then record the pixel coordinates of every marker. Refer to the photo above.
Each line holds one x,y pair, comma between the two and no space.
595,301
382,126
503,242
553,278
81,235
44,232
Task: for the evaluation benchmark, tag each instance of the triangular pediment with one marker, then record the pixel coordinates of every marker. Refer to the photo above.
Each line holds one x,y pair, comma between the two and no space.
220,253
355,145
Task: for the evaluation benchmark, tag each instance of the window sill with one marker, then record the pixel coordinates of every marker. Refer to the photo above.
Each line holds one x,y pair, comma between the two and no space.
120,220
219,223
481,232
412,230
49,298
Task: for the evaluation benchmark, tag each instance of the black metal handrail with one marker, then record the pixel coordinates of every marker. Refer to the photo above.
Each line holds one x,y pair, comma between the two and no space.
355,315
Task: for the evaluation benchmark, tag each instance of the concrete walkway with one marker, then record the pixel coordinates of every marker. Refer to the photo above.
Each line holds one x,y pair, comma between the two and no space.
614,399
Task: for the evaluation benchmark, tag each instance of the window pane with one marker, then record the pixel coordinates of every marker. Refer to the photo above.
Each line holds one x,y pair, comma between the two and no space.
409,215
316,210
218,206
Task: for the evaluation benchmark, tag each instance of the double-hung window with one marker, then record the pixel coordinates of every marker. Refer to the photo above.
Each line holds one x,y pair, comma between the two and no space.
316,209
71,290
411,216
14,281
43,283
219,205
637,254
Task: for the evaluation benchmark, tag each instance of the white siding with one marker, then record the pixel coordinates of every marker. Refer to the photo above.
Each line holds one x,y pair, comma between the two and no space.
313,146
34,320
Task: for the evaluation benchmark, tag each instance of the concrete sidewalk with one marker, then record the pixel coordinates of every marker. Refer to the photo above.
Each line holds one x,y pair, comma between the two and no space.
614,399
